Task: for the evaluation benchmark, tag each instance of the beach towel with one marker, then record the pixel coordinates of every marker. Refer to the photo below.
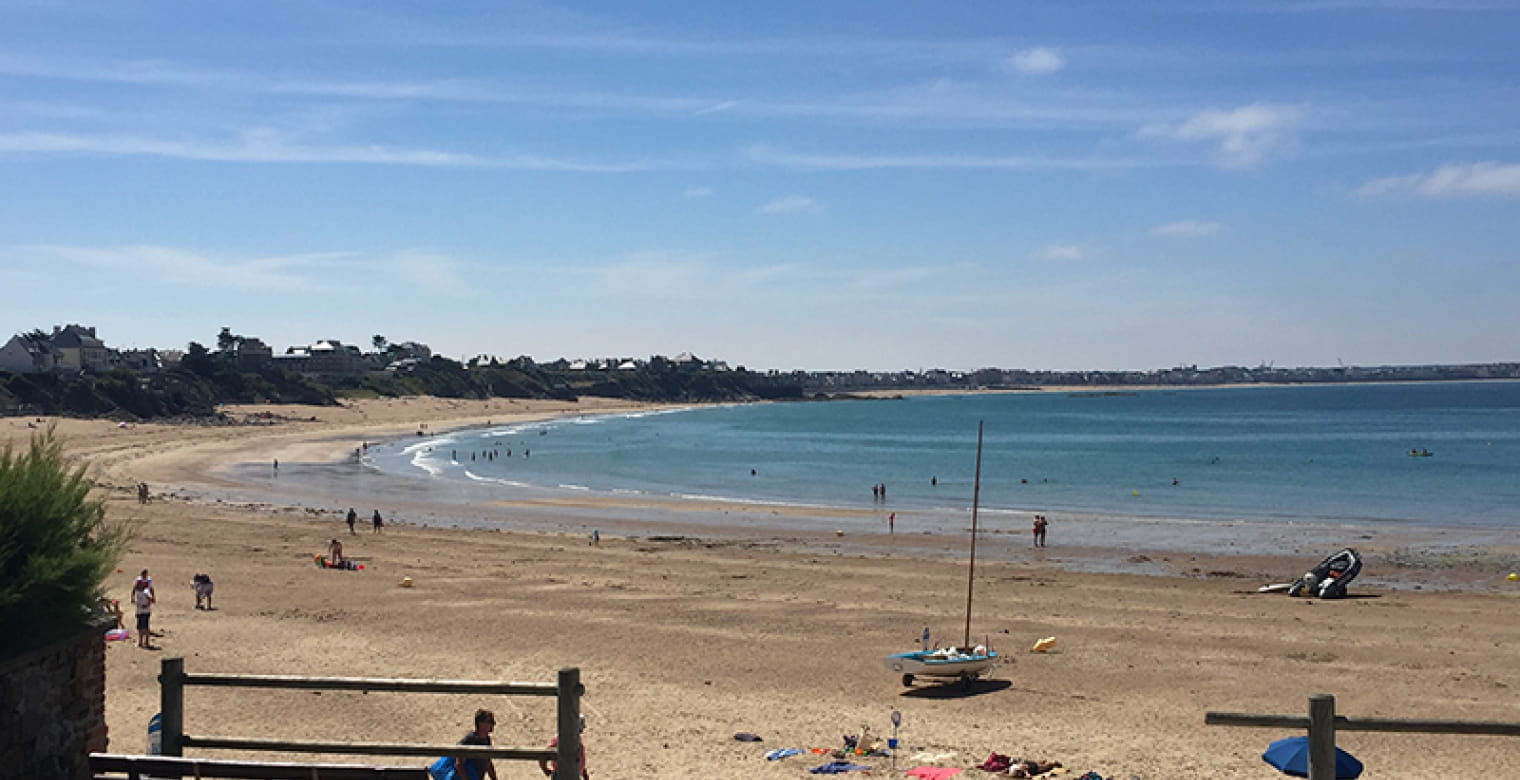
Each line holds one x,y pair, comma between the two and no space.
838,768
933,772
997,762
780,753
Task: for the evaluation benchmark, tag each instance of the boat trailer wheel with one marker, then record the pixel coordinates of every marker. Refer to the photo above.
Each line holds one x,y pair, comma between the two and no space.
908,680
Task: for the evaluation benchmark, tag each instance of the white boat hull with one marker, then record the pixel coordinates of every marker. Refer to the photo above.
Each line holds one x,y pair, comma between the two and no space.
942,664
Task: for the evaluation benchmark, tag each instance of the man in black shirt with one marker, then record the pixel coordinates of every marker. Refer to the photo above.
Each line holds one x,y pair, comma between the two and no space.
477,768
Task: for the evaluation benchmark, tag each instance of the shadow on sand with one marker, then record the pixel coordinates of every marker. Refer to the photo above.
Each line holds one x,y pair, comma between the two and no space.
956,689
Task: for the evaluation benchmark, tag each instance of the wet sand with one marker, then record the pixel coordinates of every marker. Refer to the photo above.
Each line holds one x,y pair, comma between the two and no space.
686,636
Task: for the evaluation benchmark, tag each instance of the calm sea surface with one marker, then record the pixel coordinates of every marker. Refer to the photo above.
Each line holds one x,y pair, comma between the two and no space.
1321,453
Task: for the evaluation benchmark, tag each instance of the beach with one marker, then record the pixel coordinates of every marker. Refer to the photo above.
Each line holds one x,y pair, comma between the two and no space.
686,637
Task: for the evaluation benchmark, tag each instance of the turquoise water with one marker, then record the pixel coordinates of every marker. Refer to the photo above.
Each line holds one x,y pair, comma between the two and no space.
1271,453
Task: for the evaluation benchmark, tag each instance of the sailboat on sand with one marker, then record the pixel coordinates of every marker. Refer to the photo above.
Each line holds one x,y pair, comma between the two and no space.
964,662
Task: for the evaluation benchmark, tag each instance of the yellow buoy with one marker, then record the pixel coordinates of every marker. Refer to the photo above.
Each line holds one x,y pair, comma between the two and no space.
1134,492
839,533
1513,577
406,582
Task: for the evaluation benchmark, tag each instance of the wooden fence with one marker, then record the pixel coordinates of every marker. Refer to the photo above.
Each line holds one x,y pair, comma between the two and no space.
1322,723
173,680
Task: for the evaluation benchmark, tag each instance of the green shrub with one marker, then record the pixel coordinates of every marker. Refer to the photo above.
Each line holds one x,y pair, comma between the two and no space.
56,546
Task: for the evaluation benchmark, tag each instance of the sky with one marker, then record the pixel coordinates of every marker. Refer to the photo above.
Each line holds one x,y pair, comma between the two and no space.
785,185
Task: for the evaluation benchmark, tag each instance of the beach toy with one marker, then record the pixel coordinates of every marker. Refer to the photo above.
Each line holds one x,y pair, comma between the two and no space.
117,635
406,582
1513,577
1042,645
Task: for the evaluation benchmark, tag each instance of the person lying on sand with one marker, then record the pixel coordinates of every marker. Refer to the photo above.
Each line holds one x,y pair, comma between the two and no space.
1031,768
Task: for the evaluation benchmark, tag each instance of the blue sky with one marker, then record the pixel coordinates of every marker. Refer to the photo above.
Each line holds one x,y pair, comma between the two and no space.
823,185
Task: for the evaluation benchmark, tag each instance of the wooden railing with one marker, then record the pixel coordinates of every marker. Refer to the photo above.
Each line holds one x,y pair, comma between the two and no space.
567,690
1322,723
106,766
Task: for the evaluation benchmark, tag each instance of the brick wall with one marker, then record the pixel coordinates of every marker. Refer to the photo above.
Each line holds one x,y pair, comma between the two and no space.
53,708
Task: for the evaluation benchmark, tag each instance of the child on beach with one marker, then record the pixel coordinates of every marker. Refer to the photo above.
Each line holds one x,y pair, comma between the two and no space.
548,765
202,585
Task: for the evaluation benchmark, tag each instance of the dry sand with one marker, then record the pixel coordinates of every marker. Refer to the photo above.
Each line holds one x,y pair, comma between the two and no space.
681,644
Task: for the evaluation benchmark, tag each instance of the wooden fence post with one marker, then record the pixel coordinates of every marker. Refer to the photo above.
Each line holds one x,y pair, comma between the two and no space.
567,766
1321,736
171,682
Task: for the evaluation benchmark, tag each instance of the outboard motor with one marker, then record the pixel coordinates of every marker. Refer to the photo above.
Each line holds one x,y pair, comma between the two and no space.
1329,579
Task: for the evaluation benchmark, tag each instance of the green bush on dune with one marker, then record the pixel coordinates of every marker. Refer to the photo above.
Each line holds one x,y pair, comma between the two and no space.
56,547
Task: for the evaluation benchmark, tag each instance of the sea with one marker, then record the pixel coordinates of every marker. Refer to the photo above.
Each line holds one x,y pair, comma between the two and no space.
1443,454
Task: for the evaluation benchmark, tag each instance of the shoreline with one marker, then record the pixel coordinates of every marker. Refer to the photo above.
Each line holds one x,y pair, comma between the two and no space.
321,477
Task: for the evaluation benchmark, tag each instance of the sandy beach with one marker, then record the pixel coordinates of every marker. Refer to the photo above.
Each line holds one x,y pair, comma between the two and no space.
684,640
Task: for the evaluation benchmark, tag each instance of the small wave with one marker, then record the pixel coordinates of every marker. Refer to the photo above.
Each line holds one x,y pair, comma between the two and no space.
510,430
420,462
496,480
630,491
574,487
419,445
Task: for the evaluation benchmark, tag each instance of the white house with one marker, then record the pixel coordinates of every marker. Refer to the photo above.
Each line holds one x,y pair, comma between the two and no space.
27,354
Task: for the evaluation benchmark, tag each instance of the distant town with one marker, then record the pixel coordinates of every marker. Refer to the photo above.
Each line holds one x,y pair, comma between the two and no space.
78,364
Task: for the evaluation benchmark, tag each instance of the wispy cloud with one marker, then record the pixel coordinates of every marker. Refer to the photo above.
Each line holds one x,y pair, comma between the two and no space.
716,108
269,146
1242,137
1064,252
1450,181
909,276
1035,62
792,204
429,272
1187,228
174,266
698,192
851,162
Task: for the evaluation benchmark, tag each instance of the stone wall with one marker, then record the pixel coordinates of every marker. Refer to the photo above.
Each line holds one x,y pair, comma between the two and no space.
53,708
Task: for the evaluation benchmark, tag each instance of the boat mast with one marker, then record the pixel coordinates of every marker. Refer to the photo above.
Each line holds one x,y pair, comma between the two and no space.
976,494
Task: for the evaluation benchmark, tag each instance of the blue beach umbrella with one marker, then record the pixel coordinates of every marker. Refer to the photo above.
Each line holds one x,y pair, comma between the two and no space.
1291,757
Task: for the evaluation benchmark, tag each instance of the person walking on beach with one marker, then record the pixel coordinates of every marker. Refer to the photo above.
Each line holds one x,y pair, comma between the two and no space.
548,765
457,768
1039,530
376,521
142,600
353,517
